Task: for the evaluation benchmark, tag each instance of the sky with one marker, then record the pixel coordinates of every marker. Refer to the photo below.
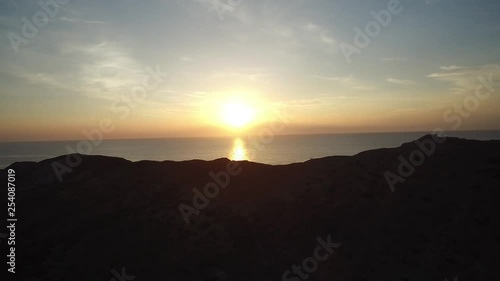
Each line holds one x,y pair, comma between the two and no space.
171,68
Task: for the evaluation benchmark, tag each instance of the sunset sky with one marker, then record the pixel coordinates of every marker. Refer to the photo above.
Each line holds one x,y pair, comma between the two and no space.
259,57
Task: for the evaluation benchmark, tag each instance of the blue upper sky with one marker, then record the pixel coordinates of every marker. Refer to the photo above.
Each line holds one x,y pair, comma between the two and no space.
85,57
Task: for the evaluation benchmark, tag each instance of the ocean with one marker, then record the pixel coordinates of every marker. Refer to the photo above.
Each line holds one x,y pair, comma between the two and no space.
279,150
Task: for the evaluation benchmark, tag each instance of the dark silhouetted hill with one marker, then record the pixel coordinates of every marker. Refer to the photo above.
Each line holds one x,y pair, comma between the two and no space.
110,213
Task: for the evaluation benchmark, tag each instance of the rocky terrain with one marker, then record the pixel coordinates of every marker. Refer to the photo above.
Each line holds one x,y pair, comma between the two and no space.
109,216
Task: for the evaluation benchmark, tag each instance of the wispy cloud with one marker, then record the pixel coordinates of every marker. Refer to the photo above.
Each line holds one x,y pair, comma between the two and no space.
196,95
82,21
395,59
348,82
103,70
400,81
465,79
45,79
322,36
343,79
250,75
451,67
319,100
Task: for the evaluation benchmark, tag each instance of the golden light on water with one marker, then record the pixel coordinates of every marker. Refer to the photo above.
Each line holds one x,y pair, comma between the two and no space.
238,152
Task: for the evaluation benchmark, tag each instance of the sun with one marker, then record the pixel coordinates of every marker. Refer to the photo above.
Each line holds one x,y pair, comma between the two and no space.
237,114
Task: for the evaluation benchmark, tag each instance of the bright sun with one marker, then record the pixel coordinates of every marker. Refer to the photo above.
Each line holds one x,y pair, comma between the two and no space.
237,114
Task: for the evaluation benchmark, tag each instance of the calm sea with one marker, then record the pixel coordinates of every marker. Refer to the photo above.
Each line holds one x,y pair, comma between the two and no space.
281,150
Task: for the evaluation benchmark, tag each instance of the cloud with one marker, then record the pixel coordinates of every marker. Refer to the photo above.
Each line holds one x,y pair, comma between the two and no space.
100,70
451,67
320,100
321,35
43,79
349,82
457,90
109,68
82,21
399,81
395,59
345,79
463,79
252,75
197,94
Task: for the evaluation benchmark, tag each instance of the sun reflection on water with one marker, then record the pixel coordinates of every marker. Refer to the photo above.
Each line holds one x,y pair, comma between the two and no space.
238,152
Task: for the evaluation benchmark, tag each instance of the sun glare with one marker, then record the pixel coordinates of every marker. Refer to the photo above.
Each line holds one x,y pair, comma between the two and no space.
237,114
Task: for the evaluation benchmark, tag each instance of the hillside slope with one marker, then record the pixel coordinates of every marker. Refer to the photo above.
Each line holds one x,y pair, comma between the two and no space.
110,213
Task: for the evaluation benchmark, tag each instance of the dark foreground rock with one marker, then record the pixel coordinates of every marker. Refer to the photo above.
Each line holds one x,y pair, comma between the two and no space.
112,217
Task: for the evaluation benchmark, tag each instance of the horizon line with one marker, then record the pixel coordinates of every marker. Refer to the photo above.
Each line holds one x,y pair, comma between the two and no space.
243,135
